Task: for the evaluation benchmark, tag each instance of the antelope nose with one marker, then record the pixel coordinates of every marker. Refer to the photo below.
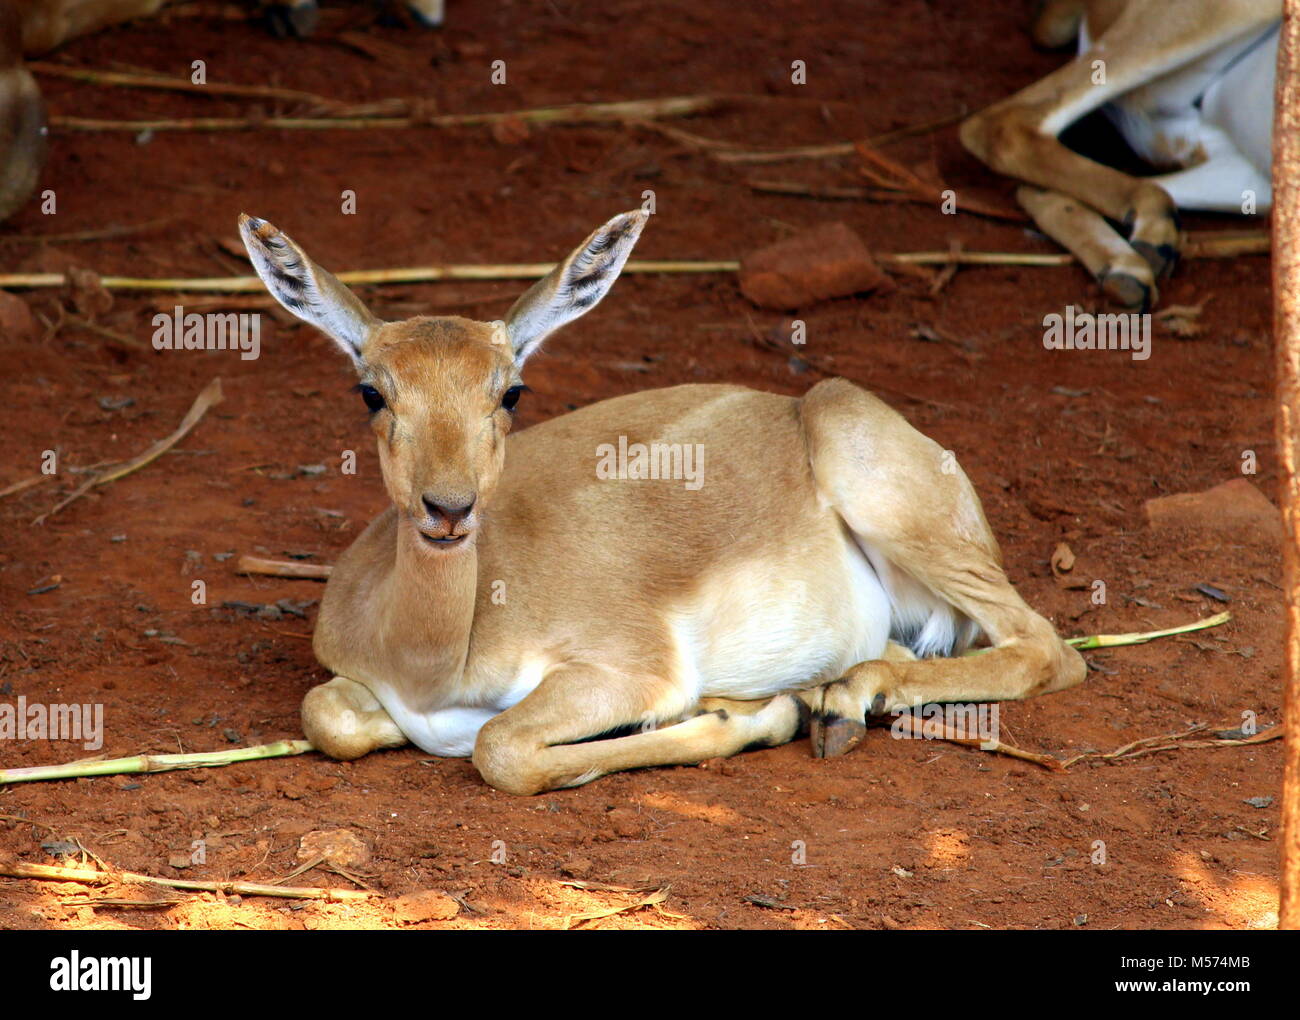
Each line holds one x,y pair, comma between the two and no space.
449,510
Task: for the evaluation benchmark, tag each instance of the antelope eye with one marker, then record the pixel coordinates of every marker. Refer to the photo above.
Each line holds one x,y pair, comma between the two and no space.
373,398
511,397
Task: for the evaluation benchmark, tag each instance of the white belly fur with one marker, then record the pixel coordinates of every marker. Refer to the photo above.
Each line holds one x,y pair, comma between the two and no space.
1217,113
757,631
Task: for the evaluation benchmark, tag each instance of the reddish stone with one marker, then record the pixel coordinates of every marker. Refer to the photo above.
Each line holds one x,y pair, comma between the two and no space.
824,262
1235,507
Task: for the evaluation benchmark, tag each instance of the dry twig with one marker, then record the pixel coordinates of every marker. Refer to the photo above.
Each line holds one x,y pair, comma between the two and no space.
9,865
283,568
209,397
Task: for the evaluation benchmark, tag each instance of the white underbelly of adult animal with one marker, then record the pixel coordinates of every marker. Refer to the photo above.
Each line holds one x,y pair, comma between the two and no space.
754,634
1213,121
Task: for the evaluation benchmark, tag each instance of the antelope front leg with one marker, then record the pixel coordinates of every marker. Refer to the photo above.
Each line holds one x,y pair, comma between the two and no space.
550,740
344,720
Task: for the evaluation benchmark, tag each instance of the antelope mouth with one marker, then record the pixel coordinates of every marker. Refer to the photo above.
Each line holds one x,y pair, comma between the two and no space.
443,541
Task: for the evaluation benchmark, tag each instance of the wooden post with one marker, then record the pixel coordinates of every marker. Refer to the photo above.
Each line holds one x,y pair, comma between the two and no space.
1286,330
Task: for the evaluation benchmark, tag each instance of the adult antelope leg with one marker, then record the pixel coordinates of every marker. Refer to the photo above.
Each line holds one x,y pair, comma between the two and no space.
914,512
344,720
1112,261
1018,136
535,746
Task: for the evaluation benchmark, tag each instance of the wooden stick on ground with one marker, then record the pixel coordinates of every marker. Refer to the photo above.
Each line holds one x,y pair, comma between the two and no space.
58,873
209,397
914,727
24,484
570,114
104,234
733,152
918,728
284,568
887,173
655,898
1177,742
174,84
1197,245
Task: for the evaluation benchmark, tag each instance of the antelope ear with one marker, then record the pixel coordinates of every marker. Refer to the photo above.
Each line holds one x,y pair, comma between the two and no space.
574,286
304,288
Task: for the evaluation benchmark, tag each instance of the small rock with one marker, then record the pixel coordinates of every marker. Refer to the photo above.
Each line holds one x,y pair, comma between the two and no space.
294,608
628,824
118,538
179,861
1080,920
579,867
1234,508
311,470
426,905
232,735
115,403
901,872
340,847
824,262
1258,802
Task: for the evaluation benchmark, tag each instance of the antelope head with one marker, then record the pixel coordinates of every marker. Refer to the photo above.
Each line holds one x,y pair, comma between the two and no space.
440,391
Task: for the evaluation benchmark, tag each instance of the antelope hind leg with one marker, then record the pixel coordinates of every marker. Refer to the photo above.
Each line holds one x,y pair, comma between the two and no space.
917,518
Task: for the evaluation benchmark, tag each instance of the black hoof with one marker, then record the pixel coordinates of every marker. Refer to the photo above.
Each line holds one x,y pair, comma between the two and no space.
1161,258
1127,290
833,735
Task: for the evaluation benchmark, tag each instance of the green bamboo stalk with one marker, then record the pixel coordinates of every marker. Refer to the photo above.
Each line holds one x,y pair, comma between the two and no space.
155,762
1142,637
425,274
1088,641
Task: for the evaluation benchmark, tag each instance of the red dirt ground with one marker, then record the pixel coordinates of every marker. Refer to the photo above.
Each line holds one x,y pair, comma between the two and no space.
1062,446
